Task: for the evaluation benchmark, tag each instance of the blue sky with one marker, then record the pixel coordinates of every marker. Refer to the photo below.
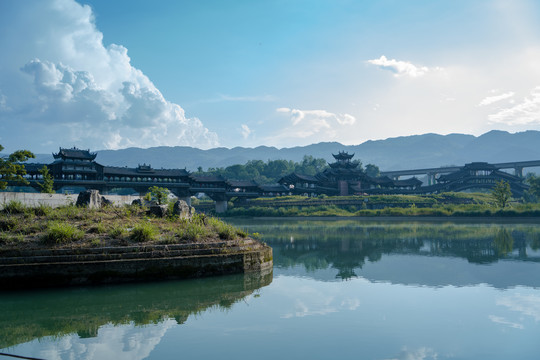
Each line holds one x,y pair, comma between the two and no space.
113,74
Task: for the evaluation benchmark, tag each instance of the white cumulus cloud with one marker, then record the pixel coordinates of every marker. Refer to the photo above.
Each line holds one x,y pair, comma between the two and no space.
61,85
495,98
312,124
525,112
245,131
400,68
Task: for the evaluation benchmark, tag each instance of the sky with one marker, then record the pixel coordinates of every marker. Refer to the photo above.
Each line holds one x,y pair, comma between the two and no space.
102,74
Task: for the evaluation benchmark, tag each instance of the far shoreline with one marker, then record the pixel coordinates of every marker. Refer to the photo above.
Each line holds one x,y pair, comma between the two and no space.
474,219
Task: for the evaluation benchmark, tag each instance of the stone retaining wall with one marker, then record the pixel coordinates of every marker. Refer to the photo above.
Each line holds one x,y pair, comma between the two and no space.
64,267
57,200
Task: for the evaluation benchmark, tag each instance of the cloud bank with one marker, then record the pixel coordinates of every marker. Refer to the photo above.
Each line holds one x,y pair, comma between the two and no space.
311,125
525,112
400,68
61,86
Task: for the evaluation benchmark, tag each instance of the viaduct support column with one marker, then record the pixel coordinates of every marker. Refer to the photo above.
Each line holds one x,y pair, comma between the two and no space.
221,206
187,199
518,171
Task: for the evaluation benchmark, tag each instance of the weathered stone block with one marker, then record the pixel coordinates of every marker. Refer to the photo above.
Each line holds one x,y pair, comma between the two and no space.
183,210
158,210
137,202
90,199
106,202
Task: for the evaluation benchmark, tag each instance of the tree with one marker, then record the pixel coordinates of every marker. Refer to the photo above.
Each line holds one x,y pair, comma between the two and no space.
11,168
372,170
534,183
47,185
501,193
159,193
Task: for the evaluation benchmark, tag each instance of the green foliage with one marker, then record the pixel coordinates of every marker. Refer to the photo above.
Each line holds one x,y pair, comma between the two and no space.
117,232
270,171
372,170
61,232
14,207
42,210
47,185
534,183
501,194
159,194
143,233
11,169
224,231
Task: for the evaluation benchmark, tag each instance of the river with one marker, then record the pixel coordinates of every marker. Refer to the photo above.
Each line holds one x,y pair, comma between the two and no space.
361,289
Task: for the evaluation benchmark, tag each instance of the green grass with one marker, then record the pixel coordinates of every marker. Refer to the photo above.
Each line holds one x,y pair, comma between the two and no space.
14,207
61,232
466,205
143,233
71,226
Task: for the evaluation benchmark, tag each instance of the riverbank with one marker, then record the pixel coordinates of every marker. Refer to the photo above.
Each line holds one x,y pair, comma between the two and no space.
41,246
436,205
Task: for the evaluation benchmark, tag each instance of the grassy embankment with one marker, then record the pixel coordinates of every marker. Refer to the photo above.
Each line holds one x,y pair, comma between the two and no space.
442,205
72,227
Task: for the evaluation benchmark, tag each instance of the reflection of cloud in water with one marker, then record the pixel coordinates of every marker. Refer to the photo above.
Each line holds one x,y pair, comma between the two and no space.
422,353
525,304
503,321
310,301
112,342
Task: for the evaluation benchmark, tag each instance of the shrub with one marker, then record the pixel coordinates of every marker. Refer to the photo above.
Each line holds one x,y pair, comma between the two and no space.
8,223
224,231
42,210
143,233
117,232
58,233
14,207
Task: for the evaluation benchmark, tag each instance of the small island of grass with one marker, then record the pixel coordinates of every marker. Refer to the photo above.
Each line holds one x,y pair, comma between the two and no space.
42,246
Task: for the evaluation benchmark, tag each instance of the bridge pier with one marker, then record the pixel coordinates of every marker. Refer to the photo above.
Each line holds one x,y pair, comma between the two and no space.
221,206
431,178
187,199
518,171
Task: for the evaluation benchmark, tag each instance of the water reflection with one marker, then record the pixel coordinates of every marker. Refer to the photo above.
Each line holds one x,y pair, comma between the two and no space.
83,311
426,252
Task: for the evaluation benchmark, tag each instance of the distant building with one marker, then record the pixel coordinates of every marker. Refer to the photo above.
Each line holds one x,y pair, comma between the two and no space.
342,178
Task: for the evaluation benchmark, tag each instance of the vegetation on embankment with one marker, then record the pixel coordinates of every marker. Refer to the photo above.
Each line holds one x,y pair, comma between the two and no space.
442,205
41,227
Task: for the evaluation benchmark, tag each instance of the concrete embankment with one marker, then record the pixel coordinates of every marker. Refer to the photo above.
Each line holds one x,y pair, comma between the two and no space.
82,266
57,200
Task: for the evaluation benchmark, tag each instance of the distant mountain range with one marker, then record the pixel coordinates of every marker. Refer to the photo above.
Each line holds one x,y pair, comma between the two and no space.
401,153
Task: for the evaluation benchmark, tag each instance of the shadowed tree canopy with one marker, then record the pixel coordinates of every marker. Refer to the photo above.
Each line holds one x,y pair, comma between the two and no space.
271,171
11,168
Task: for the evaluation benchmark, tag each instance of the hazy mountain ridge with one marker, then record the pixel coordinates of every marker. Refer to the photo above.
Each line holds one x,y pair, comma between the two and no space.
406,152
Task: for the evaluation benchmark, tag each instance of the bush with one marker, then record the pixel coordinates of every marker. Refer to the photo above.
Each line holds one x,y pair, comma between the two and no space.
194,231
8,223
58,233
42,210
14,207
143,233
117,232
224,231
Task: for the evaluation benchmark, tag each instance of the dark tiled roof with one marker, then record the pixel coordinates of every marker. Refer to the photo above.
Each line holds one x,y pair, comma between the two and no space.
273,188
207,179
342,155
124,171
242,183
294,177
75,153
407,182
479,166
381,180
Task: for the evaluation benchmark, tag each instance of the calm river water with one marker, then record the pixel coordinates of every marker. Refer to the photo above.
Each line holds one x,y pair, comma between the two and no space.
347,289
